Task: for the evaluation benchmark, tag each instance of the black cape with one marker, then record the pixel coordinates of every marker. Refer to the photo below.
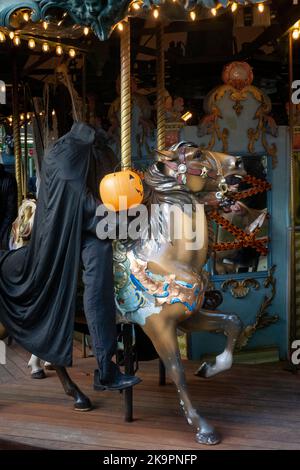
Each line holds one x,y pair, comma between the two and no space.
38,282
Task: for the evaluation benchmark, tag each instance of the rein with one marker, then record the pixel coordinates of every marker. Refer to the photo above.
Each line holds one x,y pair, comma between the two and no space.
181,168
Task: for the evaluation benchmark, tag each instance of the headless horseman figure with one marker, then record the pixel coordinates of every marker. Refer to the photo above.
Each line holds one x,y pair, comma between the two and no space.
38,283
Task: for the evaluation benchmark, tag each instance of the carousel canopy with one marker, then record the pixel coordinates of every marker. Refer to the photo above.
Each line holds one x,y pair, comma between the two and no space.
103,15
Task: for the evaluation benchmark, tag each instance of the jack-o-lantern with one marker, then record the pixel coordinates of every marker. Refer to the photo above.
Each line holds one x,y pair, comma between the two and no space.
121,190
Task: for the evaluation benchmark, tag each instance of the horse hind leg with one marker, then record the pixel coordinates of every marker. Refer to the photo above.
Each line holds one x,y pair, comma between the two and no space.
213,321
81,401
164,338
37,372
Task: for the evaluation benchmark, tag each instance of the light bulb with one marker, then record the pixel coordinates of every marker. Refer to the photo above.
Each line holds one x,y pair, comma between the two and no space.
156,13
11,35
72,53
31,43
86,31
26,16
234,7
59,50
136,6
188,115
213,11
45,47
120,26
28,116
45,25
296,34
192,15
2,37
22,117
17,41
53,112
261,7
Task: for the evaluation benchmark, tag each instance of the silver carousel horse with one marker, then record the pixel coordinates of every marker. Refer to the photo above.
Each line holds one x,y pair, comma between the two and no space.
159,279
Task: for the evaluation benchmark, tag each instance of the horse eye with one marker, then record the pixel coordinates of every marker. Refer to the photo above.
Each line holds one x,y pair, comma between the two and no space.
238,162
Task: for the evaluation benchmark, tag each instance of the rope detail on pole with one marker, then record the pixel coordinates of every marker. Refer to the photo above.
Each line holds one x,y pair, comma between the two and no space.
16,133
161,124
125,98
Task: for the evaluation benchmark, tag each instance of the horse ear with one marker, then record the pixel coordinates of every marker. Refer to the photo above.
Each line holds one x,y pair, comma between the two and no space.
165,155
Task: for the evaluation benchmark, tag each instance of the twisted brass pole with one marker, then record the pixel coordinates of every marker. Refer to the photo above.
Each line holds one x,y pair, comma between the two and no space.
125,98
16,132
25,166
161,124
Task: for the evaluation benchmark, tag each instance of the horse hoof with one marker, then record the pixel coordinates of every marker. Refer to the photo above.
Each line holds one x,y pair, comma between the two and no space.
202,371
208,438
83,405
39,374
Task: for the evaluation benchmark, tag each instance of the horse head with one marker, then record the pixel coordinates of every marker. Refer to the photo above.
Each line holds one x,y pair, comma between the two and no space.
202,170
22,226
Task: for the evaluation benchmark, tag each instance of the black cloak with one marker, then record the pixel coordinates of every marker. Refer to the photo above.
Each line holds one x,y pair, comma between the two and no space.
38,282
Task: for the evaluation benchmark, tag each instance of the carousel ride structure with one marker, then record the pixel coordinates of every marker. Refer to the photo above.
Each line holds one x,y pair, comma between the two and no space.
159,283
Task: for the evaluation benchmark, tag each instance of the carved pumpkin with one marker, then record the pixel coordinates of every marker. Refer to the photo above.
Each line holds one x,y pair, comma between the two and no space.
124,183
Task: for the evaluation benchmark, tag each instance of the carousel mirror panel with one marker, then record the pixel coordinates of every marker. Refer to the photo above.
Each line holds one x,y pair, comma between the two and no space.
241,232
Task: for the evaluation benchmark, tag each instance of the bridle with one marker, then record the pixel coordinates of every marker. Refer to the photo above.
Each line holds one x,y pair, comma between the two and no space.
181,168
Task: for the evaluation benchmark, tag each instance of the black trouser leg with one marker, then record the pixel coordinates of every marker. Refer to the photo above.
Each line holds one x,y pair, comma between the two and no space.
98,299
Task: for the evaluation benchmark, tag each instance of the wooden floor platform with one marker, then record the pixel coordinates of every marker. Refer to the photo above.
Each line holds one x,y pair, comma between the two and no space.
253,407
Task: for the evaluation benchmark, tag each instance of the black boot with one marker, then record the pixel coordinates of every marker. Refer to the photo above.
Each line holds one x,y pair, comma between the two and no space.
115,380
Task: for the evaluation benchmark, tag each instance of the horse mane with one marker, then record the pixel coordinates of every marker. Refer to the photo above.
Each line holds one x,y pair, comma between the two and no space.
162,189
159,191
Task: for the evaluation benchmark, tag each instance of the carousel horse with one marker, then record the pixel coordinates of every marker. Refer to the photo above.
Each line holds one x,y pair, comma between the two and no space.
22,226
20,236
159,280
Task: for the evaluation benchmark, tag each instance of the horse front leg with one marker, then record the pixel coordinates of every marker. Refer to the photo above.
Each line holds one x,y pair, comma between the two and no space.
230,325
163,336
81,401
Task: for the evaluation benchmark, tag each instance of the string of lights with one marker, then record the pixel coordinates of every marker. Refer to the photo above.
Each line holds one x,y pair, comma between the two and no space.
136,8
16,38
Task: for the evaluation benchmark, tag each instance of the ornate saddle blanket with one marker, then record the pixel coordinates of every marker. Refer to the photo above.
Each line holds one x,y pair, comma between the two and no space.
139,293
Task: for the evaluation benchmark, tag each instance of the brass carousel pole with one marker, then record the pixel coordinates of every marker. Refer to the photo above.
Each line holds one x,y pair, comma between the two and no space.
84,97
16,131
125,164
25,179
125,97
161,119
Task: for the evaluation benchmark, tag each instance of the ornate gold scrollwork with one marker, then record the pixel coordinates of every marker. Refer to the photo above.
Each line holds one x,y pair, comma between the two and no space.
240,289
237,86
262,319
